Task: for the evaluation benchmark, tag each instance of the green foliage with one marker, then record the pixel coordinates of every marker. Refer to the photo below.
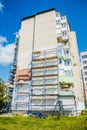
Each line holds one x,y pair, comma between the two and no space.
64,84
58,115
84,112
50,123
3,92
86,102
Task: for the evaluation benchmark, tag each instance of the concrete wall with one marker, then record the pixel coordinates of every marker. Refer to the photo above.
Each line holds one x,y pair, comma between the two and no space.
45,31
25,44
39,33
78,86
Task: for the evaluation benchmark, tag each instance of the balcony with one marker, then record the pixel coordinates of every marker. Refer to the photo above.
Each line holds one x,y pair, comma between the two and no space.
64,28
67,46
24,74
44,64
15,64
62,39
12,79
47,91
47,97
65,79
45,58
63,19
50,80
11,82
13,71
22,90
63,93
65,38
65,57
27,78
37,73
44,55
59,37
21,102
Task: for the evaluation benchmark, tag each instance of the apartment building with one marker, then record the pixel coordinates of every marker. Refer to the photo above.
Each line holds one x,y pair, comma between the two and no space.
83,57
46,72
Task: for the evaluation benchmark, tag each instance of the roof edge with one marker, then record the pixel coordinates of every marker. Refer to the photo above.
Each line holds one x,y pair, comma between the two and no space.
37,14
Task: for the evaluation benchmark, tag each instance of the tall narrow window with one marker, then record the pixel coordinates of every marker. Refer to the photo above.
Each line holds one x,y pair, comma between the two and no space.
86,79
59,51
57,22
67,62
64,33
66,52
63,17
60,60
64,25
85,56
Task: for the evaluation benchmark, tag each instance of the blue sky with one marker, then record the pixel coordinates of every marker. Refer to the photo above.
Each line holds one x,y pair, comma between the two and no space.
12,11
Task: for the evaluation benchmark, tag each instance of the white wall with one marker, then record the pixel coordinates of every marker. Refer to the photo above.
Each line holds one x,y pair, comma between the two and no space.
45,31
78,86
25,43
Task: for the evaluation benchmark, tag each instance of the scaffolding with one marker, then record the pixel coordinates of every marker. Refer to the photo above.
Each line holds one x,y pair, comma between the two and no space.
14,65
21,97
46,92
41,90
44,80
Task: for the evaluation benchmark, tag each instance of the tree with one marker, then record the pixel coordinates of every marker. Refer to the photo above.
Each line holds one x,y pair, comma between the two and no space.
86,102
3,94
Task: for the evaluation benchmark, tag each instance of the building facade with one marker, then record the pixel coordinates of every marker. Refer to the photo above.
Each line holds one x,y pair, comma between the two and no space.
47,73
83,57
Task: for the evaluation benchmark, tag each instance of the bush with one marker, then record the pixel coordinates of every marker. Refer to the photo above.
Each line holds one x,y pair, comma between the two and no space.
84,112
17,122
58,115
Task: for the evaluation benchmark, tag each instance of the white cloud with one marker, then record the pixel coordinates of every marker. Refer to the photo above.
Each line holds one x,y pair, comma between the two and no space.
1,7
3,39
6,52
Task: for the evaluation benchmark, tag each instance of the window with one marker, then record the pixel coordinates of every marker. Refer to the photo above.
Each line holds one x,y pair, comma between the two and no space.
60,60
57,22
67,62
59,51
63,17
85,67
85,56
64,33
85,62
85,73
66,52
64,25
68,73
85,79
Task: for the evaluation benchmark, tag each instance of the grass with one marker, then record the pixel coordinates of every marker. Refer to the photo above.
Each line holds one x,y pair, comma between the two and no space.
50,123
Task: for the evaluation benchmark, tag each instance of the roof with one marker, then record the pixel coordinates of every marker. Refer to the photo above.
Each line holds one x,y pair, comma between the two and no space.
37,14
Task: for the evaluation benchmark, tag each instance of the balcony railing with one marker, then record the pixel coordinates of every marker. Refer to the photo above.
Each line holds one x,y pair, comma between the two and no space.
47,97
63,93
43,64
62,38
66,79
